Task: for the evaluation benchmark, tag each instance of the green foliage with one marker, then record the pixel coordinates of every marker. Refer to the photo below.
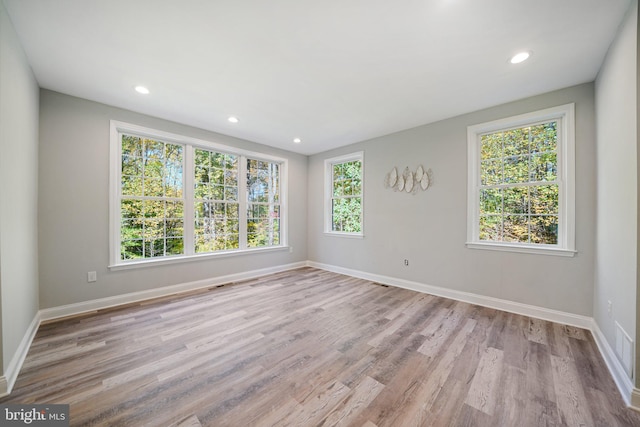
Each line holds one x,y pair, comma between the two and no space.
347,215
216,202
152,208
263,208
518,195
347,197
152,224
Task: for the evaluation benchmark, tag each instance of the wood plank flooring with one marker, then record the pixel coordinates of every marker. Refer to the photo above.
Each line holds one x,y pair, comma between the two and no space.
312,348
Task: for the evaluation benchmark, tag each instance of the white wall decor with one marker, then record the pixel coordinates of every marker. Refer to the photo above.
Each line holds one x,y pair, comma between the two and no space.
408,181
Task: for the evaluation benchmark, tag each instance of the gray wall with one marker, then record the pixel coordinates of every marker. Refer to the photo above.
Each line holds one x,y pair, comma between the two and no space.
616,188
74,201
429,228
18,190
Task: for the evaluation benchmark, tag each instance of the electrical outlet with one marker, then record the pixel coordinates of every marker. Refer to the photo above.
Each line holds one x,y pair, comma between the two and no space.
406,262
610,309
290,249
92,276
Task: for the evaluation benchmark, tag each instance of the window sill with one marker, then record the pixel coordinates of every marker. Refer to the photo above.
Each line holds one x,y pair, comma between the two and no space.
347,235
507,247
189,258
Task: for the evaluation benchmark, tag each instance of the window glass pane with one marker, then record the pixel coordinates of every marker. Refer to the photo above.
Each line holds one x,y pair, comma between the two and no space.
153,229
131,229
217,160
490,201
144,228
131,185
216,176
231,162
352,170
516,142
151,168
131,249
231,193
516,200
153,187
154,248
491,146
131,209
174,227
516,169
131,165
131,146
491,227
544,229
544,137
338,189
347,215
153,150
544,199
228,178
175,246
515,229
491,172
217,192
544,167
173,180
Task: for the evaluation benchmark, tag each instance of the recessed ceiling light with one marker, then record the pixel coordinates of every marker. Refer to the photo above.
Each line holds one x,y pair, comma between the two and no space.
233,119
520,57
143,90
297,140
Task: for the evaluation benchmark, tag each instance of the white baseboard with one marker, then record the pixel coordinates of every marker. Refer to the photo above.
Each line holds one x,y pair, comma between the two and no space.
102,303
619,374
497,303
11,374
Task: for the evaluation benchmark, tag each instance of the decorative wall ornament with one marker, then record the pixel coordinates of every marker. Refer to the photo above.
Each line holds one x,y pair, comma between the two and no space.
408,181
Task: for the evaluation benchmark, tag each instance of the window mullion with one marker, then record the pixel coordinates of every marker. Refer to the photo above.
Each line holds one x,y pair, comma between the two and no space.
189,202
242,201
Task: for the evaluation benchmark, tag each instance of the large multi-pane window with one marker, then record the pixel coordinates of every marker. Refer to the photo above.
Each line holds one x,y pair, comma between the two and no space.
344,194
521,181
175,197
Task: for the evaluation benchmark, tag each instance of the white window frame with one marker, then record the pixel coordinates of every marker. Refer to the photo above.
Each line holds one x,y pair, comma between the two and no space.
565,115
328,194
118,128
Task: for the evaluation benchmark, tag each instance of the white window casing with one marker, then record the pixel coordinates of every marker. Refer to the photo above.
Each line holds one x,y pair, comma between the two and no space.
117,129
329,196
565,117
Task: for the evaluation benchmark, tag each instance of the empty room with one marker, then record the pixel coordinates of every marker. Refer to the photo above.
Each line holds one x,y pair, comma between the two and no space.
290,213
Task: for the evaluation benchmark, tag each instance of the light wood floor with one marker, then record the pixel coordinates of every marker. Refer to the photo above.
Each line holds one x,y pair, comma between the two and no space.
310,348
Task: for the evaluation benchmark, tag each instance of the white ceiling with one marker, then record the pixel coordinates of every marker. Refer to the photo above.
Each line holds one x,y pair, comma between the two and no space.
331,72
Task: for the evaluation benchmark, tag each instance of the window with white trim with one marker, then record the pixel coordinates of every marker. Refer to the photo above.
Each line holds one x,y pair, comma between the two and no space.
344,195
521,185
175,197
